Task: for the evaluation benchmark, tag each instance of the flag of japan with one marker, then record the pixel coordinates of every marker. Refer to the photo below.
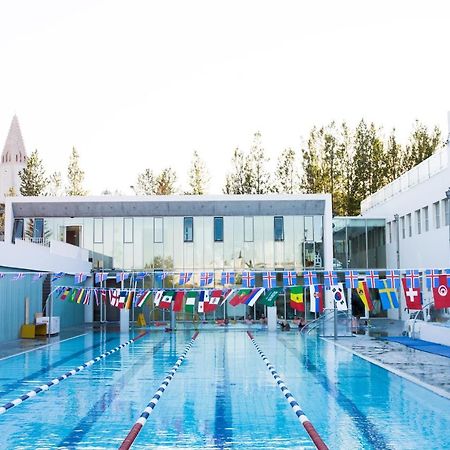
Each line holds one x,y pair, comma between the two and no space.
412,295
441,293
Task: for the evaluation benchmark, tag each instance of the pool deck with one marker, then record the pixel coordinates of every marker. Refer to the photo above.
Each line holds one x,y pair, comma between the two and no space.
428,370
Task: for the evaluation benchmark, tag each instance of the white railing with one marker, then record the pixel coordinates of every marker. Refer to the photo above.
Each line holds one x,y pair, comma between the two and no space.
437,162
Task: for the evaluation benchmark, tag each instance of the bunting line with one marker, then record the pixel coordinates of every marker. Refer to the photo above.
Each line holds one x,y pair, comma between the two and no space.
46,386
135,430
317,440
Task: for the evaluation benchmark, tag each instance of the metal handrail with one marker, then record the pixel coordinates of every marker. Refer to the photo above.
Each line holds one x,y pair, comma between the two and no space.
309,326
416,315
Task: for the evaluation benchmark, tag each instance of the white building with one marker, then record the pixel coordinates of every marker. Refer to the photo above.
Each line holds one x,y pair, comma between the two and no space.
13,160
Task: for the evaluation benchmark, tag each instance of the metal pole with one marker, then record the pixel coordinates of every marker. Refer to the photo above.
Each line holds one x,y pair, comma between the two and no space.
397,221
335,320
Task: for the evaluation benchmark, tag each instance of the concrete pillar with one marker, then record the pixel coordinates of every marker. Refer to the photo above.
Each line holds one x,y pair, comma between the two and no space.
272,318
124,320
89,312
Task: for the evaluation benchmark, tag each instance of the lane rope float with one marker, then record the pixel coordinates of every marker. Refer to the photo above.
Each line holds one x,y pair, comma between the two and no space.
135,430
46,386
313,434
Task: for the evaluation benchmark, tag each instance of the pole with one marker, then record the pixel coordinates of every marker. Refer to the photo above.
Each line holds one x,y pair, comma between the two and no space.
397,221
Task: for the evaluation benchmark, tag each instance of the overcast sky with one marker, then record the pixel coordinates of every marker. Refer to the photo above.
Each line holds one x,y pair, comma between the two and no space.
135,84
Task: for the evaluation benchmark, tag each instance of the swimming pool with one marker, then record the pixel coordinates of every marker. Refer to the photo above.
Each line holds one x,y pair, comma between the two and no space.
222,396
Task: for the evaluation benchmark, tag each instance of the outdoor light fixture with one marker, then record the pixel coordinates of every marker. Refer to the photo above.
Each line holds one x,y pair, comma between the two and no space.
447,193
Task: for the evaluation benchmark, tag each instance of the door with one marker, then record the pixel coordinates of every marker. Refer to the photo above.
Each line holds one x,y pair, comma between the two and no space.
73,235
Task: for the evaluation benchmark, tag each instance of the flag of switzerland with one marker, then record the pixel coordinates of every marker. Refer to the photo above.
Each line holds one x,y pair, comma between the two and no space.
441,293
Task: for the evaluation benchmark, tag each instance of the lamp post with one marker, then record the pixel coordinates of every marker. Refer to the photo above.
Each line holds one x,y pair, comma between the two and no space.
397,222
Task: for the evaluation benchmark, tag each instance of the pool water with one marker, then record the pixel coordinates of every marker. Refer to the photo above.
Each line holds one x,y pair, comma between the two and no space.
222,396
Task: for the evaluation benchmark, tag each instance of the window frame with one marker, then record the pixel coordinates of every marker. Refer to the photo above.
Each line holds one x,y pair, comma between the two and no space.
218,225
186,221
278,237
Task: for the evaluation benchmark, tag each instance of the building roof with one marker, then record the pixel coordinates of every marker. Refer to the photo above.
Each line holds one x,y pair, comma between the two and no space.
170,205
14,149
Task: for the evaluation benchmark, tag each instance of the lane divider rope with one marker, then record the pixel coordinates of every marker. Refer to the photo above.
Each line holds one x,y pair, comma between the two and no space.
315,437
46,386
135,430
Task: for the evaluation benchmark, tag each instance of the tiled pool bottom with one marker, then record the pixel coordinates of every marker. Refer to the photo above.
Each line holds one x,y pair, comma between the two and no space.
222,396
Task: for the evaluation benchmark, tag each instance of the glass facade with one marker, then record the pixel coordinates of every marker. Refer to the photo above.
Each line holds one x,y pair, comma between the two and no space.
359,243
199,242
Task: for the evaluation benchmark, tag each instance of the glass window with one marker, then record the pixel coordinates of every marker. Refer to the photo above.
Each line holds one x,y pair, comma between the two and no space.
248,229
418,221
402,221
278,228
18,229
98,230
425,218
127,229
446,212
437,215
188,229
38,229
389,226
409,224
218,229
158,229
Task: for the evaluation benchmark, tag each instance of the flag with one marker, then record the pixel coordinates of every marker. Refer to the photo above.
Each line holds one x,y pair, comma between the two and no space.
296,298
122,299
227,294
310,279
316,298
80,295
351,279
371,280
97,301
184,278
412,279
158,297
248,279
432,278
388,296
142,298
178,301
122,276
38,276
338,296
393,278
227,278
364,294
100,277
65,293
330,278
441,293
214,299
114,295
57,276
289,278
269,279
412,295
79,278
271,296
190,301
140,276
19,276
159,277
202,300
206,278
130,299
240,297
103,295
166,300
253,297
87,297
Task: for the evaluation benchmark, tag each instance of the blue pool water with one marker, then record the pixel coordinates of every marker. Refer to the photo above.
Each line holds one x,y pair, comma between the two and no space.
222,396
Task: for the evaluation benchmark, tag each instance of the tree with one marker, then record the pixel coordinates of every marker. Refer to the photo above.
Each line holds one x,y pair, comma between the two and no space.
393,158
75,175
165,182
422,144
235,180
257,177
55,185
32,177
198,176
145,184
287,180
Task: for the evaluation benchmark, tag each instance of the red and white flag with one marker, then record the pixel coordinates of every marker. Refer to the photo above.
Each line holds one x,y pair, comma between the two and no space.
412,296
441,293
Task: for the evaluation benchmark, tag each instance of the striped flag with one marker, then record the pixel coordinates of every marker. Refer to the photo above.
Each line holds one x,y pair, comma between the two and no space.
296,298
214,300
189,306
240,296
166,300
254,296
143,297
364,295
130,298
65,293
178,301
316,298
87,297
122,299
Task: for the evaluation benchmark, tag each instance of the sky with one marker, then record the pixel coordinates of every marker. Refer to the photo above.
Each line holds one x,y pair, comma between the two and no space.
142,84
